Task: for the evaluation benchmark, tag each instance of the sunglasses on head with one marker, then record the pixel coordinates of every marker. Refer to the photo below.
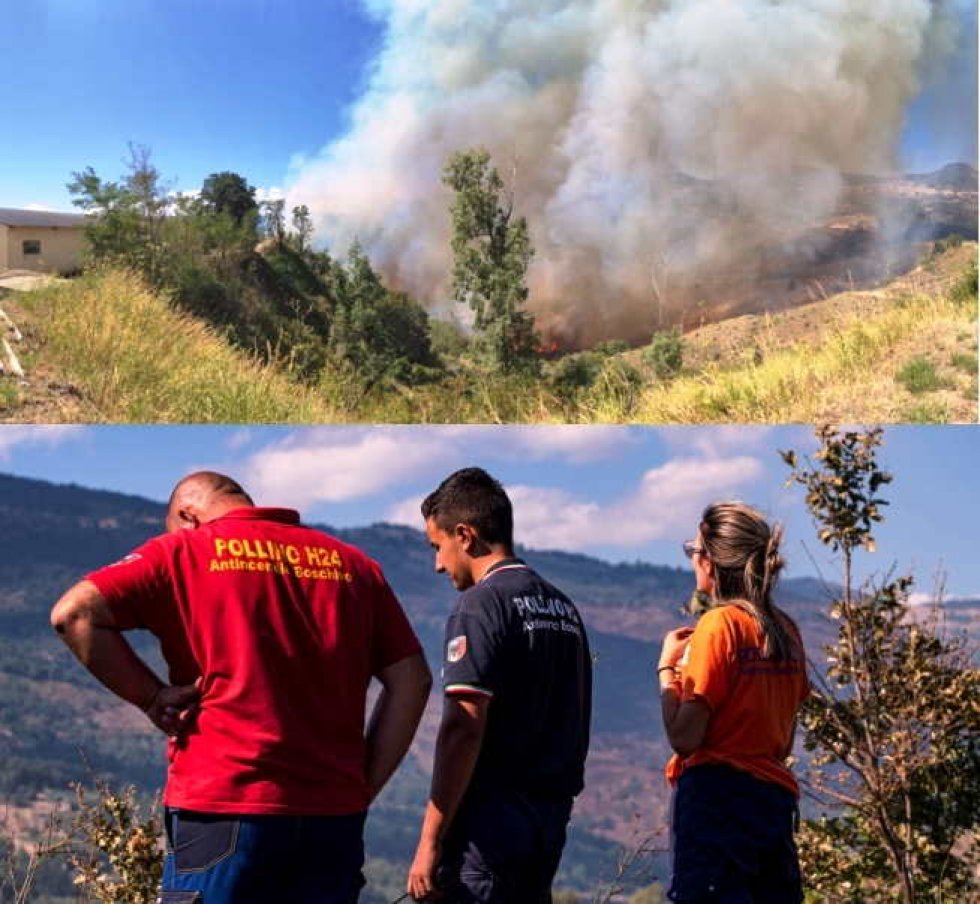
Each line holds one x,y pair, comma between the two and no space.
691,547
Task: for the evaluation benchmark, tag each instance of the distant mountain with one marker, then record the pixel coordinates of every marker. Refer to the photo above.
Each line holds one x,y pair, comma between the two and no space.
953,177
50,709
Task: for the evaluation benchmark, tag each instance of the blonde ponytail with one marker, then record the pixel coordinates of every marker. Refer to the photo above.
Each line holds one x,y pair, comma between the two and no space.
744,551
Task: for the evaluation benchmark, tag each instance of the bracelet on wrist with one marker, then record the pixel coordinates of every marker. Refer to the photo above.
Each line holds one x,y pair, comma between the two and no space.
668,668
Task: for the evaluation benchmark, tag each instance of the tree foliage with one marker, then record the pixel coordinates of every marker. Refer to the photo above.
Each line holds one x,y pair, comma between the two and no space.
117,858
230,194
302,228
378,333
274,220
665,353
201,250
126,216
892,720
491,253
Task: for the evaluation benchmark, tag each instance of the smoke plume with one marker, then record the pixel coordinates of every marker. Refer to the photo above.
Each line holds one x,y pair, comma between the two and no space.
659,148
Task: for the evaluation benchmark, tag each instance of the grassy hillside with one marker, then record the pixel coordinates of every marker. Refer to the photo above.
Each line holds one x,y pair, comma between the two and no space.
107,348
904,353
131,356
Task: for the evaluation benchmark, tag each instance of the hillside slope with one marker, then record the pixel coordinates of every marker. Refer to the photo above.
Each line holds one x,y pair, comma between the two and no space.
106,348
906,351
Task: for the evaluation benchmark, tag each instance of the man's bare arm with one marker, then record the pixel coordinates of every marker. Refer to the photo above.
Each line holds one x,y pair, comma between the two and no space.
464,721
86,624
395,717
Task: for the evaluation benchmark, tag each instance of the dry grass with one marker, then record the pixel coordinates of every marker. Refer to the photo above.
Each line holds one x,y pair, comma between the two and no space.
136,358
133,357
848,373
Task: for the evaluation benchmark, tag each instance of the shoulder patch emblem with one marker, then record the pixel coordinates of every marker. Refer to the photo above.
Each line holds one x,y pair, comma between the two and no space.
132,557
456,649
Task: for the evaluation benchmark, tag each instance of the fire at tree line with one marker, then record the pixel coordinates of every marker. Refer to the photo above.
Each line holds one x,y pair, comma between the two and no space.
255,276
890,760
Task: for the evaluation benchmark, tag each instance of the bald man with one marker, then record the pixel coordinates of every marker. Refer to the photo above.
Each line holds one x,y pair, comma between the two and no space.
271,632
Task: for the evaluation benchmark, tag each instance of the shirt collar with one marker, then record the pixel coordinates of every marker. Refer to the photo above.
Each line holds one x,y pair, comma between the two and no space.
258,513
502,565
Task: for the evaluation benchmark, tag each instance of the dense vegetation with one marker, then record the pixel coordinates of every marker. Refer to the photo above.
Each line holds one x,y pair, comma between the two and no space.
323,321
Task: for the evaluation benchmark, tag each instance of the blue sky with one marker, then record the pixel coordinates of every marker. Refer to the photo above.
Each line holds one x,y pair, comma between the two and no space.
238,85
617,492
252,86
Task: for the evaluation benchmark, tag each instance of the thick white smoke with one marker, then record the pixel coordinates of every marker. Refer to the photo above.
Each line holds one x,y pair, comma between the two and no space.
655,146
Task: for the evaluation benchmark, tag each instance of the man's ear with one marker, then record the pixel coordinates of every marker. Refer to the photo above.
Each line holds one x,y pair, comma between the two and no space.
188,519
467,537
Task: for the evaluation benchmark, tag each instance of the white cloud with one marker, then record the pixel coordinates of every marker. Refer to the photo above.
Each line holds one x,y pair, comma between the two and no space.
22,435
408,511
548,518
576,443
40,207
339,464
332,464
571,442
239,439
716,442
335,464
667,503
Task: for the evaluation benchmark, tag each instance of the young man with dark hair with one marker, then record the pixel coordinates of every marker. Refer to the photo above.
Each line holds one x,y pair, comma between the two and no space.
517,677
272,632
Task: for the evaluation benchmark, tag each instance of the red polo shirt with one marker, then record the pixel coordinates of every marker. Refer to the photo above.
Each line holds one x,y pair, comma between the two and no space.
285,625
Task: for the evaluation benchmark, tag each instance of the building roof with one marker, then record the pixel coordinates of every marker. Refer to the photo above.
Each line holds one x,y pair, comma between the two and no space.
40,218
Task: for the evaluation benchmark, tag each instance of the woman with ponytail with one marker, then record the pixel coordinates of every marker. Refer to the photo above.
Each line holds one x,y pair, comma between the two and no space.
730,692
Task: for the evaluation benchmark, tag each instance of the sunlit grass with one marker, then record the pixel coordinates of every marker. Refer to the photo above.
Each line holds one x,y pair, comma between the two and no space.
136,358
799,383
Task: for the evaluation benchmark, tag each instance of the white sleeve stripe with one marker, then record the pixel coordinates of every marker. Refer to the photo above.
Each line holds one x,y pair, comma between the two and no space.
467,688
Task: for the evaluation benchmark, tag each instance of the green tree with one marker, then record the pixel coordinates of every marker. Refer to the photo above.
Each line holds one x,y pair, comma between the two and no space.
127,216
491,251
892,720
302,228
379,334
229,193
274,220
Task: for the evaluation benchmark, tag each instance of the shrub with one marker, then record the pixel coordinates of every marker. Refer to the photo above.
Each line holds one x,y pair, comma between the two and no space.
965,362
122,860
665,354
919,376
965,291
948,242
572,373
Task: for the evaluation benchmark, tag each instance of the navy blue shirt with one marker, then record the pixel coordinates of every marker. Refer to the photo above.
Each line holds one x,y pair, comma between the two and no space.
519,640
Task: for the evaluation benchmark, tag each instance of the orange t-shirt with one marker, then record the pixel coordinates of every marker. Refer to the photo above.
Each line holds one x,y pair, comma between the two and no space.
753,701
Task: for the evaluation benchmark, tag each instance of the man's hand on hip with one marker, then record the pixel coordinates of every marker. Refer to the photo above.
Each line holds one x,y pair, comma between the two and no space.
174,708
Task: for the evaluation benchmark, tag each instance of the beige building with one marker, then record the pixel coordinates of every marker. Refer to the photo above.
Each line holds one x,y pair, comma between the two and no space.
40,240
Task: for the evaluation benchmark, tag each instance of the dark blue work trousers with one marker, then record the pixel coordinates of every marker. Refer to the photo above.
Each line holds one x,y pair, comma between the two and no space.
503,848
219,859
733,839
